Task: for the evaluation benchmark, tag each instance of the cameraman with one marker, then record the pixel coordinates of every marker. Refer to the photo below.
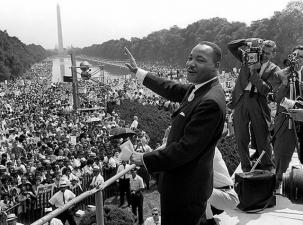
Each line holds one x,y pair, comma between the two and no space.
249,99
285,138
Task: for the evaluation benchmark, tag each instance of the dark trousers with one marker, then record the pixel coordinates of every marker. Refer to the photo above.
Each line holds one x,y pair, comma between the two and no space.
124,189
67,215
249,113
137,204
284,145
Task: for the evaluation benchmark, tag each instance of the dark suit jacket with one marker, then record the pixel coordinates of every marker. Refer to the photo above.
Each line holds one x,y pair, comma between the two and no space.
268,82
186,164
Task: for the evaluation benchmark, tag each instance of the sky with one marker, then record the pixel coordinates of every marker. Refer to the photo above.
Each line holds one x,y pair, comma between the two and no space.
88,22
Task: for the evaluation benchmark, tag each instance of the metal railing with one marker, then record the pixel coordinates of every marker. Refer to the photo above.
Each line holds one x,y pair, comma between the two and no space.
98,200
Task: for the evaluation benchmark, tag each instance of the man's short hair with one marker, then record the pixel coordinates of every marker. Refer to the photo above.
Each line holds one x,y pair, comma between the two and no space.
298,47
270,44
217,55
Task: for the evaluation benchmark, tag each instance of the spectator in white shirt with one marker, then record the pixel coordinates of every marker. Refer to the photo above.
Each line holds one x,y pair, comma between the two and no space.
60,198
135,123
223,196
88,169
97,179
112,163
124,183
136,187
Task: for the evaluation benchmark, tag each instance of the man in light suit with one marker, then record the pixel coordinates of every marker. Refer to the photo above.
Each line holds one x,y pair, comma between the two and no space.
249,101
186,163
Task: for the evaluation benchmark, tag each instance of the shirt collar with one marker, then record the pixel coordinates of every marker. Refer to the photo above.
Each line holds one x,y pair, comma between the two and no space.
197,86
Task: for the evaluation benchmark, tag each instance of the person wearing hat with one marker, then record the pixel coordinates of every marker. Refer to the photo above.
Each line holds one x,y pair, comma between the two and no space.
75,186
11,219
155,219
60,198
97,178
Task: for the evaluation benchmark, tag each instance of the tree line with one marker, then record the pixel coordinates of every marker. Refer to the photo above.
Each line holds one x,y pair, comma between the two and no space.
172,46
16,57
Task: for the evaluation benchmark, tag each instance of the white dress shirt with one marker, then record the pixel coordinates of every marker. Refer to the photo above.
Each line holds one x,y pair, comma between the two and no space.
136,183
121,168
57,199
221,174
150,221
97,180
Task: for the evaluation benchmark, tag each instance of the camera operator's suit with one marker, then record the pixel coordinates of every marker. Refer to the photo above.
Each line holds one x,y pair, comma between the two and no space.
285,138
251,108
186,164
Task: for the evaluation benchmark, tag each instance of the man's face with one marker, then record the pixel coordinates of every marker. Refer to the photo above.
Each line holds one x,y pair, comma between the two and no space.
62,189
300,57
200,64
133,173
267,54
155,215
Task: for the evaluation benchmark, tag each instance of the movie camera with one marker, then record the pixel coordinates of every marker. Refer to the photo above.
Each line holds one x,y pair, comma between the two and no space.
292,62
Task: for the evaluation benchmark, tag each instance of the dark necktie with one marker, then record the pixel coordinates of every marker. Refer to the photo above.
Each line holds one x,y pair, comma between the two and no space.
252,89
124,174
63,197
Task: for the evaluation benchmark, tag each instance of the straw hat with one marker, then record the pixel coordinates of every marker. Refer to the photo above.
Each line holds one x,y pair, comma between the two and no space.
11,217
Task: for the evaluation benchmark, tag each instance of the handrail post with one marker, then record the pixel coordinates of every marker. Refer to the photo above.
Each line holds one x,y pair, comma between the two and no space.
99,208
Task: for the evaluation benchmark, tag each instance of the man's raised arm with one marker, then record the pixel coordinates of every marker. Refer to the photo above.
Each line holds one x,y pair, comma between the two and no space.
168,89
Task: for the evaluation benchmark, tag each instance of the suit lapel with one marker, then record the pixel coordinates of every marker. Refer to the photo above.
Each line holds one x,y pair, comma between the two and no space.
200,92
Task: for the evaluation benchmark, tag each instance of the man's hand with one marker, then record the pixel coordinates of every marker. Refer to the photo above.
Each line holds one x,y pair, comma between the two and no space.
283,75
137,158
255,67
296,114
254,40
131,65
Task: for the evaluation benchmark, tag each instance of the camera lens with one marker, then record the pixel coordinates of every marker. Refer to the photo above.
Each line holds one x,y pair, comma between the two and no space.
292,187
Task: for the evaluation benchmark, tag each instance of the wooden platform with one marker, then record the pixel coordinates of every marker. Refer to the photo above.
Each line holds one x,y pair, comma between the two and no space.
284,213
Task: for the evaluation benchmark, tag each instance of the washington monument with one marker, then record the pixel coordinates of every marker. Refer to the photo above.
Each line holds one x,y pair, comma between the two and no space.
60,46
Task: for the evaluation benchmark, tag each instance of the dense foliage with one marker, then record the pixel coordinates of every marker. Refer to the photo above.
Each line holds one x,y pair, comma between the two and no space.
172,46
152,120
112,216
228,148
16,57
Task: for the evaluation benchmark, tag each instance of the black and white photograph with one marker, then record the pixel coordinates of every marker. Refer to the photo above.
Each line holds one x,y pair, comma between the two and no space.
139,112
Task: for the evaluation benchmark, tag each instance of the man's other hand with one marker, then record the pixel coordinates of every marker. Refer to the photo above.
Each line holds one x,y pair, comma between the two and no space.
131,65
137,158
283,75
296,114
255,66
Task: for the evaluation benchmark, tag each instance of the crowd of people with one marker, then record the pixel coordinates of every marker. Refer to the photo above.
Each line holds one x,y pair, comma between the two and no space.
43,142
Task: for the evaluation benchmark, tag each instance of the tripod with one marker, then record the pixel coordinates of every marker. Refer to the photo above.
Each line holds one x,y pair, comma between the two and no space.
293,78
